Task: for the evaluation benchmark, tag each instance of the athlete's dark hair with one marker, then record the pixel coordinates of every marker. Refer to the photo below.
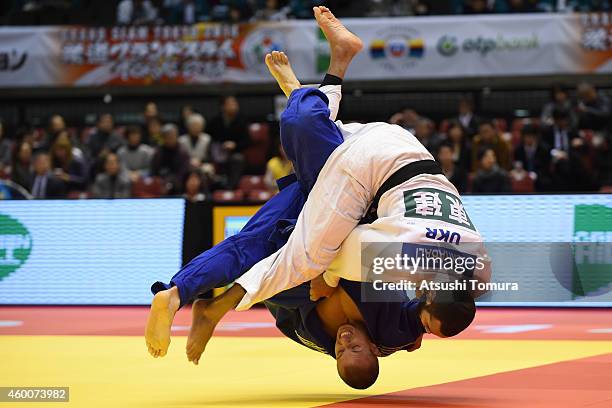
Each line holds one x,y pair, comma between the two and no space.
455,309
361,377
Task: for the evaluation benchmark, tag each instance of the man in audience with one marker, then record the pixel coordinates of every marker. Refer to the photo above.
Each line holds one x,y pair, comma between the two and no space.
559,100
104,140
150,115
561,135
594,110
568,170
114,182
466,116
488,138
230,137
196,143
45,184
425,132
490,178
55,125
170,162
453,173
406,118
135,156
534,157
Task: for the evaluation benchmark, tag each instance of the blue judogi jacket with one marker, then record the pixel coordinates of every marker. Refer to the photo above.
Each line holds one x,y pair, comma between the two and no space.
392,325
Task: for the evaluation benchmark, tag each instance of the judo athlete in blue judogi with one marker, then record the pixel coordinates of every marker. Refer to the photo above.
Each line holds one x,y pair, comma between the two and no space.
354,332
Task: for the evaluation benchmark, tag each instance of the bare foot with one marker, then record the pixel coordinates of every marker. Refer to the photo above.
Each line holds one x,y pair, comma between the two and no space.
279,67
202,327
343,44
163,308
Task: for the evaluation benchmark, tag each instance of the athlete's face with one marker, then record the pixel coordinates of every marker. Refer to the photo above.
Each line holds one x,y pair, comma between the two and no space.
356,355
431,324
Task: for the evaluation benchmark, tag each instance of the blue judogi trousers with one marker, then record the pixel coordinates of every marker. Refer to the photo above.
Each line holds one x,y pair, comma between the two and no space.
308,137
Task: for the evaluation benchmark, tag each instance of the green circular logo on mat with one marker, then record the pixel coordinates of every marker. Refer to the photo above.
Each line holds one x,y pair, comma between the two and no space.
15,245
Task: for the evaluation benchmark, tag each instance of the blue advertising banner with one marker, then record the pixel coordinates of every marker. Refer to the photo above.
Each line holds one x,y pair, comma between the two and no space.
87,251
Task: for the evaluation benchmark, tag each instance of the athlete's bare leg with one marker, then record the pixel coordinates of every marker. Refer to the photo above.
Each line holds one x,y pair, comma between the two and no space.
343,44
279,67
206,316
163,308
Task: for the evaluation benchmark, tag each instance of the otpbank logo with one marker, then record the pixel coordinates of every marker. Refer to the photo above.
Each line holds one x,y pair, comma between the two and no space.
15,245
397,48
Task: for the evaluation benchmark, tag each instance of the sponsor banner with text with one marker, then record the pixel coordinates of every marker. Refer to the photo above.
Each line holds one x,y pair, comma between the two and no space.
394,49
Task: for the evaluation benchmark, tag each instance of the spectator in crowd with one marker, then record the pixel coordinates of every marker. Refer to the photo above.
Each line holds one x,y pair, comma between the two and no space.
277,167
271,11
466,116
196,143
136,12
21,169
186,112
585,6
384,8
67,163
406,118
113,182
488,137
517,6
170,162
462,154
561,135
183,11
475,7
594,111
135,156
104,140
490,178
455,174
150,114
567,149
195,186
230,137
559,100
43,142
6,149
44,183
534,157
425,132
154,133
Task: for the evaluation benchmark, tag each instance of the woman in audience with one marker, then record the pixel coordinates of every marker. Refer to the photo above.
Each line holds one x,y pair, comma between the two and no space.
195,186
21,172
114,182
454,173
490,178
277,167
67,163
462,154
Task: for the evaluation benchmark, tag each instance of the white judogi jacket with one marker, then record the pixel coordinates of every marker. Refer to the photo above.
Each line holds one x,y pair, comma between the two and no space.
327,229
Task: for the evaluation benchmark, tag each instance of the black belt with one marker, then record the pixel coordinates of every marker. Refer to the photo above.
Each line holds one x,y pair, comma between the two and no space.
404,174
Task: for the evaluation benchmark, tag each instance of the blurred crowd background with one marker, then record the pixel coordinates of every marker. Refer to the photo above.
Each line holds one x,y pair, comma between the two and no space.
224,145
48,12
223,156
